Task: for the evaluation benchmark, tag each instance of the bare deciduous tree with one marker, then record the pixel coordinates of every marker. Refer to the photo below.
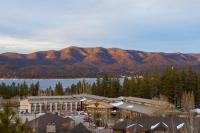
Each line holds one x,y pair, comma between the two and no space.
188,101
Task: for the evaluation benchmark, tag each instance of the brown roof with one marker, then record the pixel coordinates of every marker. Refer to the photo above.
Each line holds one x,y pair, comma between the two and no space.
160,126
62,124
136,128
80,128
103,105
164,123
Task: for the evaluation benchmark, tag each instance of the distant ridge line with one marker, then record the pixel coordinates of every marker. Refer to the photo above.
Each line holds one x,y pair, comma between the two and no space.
76,62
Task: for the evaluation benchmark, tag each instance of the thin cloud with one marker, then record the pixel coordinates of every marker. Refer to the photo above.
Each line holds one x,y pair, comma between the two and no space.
111,23
25,45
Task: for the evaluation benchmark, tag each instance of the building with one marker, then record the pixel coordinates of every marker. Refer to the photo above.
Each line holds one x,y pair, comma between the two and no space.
102,111
14,101
25,106
80,128
45,104
51,123
42,104
128,126
152,124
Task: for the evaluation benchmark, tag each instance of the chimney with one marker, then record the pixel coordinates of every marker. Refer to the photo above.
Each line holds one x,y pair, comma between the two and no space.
51,128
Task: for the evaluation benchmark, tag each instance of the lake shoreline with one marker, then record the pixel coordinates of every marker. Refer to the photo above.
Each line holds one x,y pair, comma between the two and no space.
45,78
46,83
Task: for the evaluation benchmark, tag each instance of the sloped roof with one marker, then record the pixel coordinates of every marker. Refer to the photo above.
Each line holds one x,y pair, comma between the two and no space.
150,101
161,122
100,105
80,128
81,96
41,122
153,123
134,107
123,124
160,126
136,127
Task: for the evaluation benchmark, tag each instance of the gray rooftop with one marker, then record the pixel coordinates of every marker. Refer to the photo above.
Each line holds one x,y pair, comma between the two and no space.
99,98
137,108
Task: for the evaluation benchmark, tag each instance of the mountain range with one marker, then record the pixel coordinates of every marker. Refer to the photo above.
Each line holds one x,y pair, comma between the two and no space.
75,62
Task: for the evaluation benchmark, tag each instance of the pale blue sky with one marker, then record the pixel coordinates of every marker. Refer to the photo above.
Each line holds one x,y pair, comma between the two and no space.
149,25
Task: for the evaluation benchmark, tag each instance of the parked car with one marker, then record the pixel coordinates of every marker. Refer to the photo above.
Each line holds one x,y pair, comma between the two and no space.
87,119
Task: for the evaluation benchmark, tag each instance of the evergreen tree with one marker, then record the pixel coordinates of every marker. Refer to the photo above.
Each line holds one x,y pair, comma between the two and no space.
10,123
115,88
145,85
34,89
98,87
94,89
59,89
172,85
133,87
105,85
155,83
197,92
126,87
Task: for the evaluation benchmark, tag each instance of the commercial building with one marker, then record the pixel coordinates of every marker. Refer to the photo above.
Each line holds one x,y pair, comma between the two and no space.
44,104
101,110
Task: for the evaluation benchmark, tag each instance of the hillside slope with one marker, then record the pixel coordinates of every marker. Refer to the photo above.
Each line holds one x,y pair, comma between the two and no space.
73,62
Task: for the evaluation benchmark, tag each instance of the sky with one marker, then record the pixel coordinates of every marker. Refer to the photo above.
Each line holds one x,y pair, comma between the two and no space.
148,25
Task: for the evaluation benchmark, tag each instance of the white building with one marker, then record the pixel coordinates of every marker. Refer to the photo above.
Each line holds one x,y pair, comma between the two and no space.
43,104
73,103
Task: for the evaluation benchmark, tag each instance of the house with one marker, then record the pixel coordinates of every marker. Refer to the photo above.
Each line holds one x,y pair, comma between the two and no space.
160,127
136,128
51,123
127,126
80,128
158,124
100,112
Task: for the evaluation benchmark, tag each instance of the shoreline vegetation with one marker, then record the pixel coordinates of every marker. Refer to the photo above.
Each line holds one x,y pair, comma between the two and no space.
179,87
46,78
173,85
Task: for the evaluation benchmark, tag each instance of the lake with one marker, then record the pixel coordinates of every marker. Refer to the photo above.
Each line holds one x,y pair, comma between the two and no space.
44,83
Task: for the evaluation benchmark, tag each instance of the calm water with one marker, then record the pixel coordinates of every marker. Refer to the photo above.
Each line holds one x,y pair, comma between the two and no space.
44,83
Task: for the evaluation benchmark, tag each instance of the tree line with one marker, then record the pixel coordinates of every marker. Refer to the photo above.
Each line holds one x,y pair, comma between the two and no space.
24,90
172,84
20,89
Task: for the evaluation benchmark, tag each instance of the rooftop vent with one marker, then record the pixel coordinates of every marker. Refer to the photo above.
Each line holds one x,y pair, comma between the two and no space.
51,128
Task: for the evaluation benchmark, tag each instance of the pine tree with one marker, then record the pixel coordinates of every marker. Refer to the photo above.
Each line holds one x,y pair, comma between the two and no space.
99,88
155,83
115,88
133,87
94,89
10,123
105,85
126,87
59,89
145,85
197,92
